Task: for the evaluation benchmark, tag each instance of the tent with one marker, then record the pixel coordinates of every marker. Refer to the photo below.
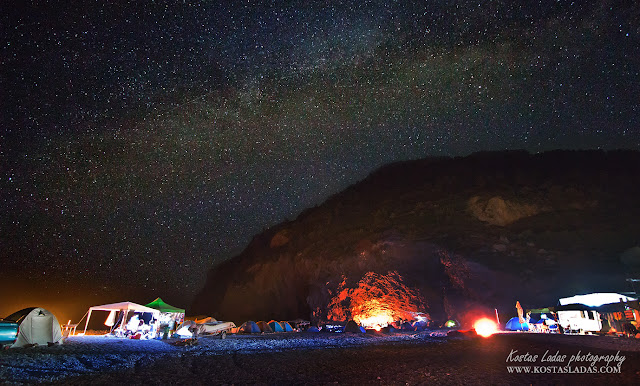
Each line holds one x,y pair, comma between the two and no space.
286,327
388,329
313,329
36,326
170,316
249,327
161,306
264,326
300,324
276,326
451,324
514,325
352,326
542,318
125,307
419,325
406,326
537,321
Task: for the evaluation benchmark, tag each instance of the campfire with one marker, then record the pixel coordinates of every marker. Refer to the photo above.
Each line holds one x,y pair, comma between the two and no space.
485,327
376,301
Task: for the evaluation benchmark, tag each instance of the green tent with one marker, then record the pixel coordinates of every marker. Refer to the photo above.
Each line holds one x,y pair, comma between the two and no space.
451,324
160,305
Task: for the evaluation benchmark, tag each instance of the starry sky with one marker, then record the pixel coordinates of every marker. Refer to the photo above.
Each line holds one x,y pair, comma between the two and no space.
142,142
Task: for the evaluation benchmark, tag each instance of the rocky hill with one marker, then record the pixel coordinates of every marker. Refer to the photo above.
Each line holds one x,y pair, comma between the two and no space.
446,237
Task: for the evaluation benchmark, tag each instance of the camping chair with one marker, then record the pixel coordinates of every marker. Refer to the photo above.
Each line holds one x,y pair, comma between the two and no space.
69,329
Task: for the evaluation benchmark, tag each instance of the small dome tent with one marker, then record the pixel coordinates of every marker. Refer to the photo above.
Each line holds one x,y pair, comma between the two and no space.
37,326
419,325
352,326
249,327
451,324
276,326
264,326
514,325
406,326
286,326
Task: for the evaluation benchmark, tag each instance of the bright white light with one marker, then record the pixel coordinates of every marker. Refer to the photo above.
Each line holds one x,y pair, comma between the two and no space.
381,320
485,327
420,317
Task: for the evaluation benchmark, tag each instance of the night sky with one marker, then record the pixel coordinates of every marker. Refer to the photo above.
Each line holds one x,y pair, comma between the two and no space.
142,143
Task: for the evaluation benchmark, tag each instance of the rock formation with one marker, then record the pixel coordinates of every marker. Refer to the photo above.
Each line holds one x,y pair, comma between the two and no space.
462,235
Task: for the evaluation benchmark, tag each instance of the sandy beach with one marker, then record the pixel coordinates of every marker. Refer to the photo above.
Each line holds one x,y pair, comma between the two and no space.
304,358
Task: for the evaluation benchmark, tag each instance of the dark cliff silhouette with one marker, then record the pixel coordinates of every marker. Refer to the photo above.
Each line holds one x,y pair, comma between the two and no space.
468,233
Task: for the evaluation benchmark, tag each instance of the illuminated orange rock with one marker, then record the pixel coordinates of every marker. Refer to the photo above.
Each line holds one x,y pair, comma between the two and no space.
376,300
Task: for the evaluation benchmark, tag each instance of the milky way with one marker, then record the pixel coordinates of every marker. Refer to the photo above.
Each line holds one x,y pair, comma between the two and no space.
143,143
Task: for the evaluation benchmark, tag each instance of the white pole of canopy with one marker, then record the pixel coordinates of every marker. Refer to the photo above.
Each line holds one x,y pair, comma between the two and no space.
87,322
124,321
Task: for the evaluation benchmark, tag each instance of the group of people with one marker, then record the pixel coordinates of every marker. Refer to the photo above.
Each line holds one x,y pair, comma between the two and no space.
141,325
136,328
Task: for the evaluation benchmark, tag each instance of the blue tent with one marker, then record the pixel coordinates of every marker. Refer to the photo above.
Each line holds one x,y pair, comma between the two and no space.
249,327
286,326
313,329
419,325
276,326
542,318
514,325
406,326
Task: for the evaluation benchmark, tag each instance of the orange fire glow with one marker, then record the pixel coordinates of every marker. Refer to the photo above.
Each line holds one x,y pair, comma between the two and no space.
382,318
376,301
485,327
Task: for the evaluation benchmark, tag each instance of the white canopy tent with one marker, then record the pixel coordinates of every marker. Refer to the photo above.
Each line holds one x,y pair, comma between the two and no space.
122,306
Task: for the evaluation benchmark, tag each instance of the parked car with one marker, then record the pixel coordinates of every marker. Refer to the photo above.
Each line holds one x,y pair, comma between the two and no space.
8,332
